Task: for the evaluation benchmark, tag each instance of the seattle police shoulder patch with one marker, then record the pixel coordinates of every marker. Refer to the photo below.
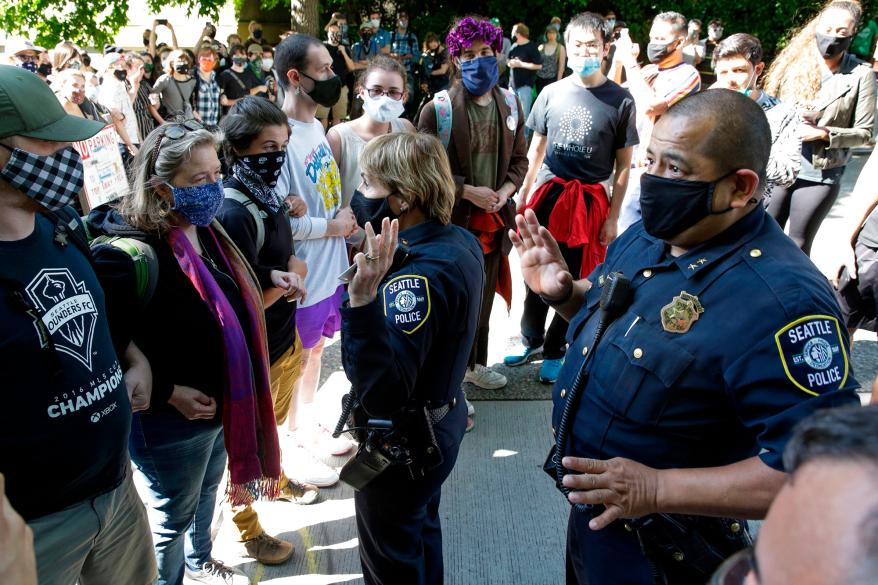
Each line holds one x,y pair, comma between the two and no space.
407,301
813,354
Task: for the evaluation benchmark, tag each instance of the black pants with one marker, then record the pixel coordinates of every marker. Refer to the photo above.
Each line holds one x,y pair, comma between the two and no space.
479,354
398,520
533,320
541,83
805,204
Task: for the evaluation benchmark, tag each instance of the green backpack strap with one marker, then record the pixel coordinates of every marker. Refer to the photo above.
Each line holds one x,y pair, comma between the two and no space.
258,215
146,263
442,105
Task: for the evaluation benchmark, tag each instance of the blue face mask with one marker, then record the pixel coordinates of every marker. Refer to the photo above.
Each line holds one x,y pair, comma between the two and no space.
584,66
199,204
480,75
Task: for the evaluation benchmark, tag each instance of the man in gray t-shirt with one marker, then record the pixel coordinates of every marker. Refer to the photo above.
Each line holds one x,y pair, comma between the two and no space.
583,131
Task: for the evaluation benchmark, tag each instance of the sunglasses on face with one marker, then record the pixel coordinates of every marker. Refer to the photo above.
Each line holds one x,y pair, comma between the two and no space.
173,131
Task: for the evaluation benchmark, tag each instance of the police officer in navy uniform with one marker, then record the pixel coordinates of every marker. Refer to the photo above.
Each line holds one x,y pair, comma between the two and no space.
407,331
729,336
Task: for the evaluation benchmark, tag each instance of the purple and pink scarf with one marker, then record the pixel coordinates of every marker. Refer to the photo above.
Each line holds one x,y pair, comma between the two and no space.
249,429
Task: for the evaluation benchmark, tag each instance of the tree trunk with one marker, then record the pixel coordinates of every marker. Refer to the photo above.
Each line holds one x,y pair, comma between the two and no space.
303,16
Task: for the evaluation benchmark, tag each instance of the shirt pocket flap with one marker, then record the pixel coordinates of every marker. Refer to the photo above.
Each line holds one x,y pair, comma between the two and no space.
648,349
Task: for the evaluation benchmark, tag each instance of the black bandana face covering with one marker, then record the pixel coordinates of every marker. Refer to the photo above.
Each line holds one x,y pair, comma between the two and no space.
830,46
671,206
53,180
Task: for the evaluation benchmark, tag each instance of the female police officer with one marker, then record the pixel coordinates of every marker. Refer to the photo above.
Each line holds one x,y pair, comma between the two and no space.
407,330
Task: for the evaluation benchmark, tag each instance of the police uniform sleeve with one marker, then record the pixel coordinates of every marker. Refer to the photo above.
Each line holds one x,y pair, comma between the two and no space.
385,343
797,366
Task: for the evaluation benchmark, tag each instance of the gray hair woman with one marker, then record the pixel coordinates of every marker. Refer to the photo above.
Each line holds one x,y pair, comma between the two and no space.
203,329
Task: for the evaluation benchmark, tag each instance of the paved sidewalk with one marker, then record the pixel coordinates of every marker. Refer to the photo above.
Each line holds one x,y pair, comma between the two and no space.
503,521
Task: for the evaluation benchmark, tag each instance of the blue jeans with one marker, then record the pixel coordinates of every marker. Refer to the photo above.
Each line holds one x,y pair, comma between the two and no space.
180,464
526,97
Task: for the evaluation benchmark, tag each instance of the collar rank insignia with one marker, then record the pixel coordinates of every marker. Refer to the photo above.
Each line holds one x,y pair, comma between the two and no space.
679,315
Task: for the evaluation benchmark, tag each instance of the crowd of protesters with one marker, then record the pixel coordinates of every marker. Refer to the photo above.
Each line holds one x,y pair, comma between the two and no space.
253,171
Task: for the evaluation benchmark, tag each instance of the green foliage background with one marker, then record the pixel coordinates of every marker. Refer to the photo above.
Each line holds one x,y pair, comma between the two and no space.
95,22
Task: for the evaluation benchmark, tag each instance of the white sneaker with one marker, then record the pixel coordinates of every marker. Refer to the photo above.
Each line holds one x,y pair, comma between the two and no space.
305,468
325,442
484,377
470,409
216,572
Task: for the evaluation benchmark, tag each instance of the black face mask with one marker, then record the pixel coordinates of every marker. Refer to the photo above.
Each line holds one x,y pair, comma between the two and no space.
120,74
371,211
655,52
671,206
181,68
45,70
830,46
326,91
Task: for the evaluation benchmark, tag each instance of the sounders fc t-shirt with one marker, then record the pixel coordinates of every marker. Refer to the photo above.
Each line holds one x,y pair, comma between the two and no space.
66,417
584,128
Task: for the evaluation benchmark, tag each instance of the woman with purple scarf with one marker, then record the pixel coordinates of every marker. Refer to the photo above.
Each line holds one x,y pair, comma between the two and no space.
203,329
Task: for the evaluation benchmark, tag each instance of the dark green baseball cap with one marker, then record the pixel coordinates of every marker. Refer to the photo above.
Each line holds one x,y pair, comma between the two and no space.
29,108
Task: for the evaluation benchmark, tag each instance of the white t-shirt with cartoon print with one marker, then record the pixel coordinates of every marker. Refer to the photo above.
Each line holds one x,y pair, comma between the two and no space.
311,173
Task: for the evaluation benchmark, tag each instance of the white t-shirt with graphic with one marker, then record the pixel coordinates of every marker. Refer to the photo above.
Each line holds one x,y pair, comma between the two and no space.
312,173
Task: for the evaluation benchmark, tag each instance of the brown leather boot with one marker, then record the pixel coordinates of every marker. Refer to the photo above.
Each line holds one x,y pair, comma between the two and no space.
269,550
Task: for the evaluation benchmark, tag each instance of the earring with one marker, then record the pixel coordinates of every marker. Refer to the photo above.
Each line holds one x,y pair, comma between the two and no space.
403,208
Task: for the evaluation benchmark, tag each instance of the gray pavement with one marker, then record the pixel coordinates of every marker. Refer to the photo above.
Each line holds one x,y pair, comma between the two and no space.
503,522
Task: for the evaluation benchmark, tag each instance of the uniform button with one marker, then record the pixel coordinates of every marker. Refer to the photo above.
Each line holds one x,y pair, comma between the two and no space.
638,353
735,527
563,392
755,252
584,350
647,273
679,557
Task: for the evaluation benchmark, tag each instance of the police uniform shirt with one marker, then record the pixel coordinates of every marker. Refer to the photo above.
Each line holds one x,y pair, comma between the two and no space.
721,352
414,340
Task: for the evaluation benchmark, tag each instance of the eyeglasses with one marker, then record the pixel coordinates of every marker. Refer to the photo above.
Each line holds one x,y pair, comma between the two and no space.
27,58
736,568
393,94
173,131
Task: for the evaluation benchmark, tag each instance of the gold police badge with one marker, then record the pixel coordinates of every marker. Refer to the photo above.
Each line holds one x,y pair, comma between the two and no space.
679,315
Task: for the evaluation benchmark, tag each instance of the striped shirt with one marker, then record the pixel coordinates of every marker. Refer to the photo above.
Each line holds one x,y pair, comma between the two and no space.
145,122
674,83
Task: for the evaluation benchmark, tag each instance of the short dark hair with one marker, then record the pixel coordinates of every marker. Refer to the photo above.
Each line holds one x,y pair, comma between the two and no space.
715,22
738,45
677,21
245,120
847,433
234,49
292,53
738,141
588,21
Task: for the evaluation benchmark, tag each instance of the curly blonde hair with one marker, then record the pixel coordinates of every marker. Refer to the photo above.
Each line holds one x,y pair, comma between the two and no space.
795,76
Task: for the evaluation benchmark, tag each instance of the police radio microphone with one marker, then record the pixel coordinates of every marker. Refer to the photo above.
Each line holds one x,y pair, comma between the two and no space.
615,299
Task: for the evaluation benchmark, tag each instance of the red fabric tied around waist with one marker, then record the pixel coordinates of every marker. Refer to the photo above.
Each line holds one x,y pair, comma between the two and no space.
574,223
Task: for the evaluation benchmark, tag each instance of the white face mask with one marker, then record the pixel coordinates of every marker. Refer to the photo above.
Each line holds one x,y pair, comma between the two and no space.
382,108
376,23
267,62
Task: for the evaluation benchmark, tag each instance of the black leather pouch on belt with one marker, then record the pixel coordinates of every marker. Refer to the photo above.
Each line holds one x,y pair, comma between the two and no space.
689,547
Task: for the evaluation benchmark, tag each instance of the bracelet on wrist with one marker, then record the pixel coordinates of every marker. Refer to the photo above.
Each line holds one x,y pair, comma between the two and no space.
558,302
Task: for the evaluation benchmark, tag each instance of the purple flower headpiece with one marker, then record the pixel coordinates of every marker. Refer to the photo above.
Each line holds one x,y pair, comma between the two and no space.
468,30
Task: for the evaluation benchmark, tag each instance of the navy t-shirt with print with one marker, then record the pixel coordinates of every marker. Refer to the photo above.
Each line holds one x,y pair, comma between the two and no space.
66,417
585,127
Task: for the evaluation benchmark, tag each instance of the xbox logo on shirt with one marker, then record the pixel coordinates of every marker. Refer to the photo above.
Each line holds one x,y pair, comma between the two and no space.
95,417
